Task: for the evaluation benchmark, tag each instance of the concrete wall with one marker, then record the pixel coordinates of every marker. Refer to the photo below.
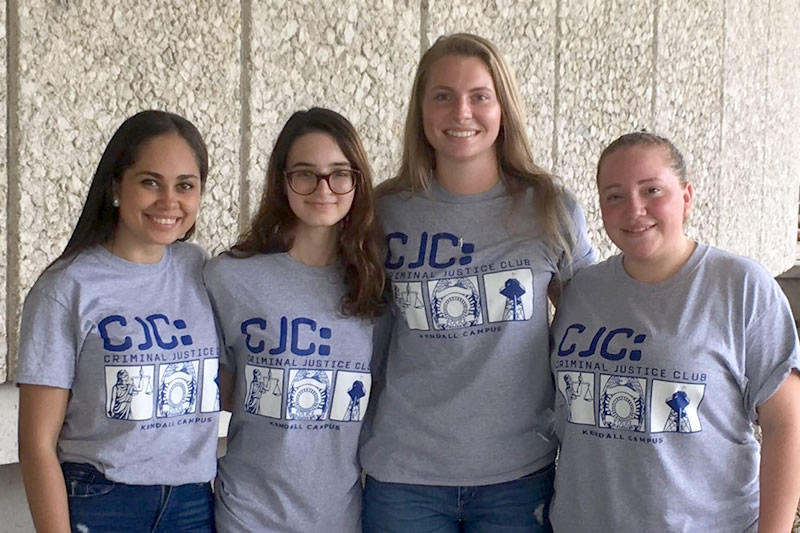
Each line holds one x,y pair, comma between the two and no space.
717,76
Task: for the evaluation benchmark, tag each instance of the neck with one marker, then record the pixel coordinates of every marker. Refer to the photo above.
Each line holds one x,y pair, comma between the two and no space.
659,269
314,246
467,177
144,254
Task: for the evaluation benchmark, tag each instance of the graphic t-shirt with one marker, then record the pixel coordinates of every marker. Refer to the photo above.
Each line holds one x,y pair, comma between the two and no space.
467,397
136,344
658,386
302,386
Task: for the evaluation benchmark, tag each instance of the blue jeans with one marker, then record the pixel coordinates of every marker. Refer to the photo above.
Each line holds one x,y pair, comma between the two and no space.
519,506
97,504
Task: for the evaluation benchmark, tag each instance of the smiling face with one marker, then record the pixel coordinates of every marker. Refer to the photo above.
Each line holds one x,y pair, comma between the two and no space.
460,111
321,154
158,199
644,206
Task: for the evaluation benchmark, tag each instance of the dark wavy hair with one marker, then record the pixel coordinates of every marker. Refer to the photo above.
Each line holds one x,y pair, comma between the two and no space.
99,218
360,235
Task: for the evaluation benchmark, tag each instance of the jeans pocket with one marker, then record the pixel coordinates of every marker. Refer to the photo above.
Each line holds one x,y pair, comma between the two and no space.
85,481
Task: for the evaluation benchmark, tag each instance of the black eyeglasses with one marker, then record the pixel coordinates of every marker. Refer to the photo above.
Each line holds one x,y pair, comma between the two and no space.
305,182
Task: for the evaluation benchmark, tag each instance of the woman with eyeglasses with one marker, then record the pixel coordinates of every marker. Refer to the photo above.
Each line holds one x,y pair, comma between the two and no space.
295,298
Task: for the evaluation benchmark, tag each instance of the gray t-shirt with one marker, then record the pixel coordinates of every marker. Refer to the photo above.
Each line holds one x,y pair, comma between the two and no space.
467,397
658,388
137,346
303,380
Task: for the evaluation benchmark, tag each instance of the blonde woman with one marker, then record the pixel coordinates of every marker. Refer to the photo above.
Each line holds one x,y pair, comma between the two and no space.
477,235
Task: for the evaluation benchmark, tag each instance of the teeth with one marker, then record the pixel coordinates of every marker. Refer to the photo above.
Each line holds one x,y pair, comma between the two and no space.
639,230
461,133
164,221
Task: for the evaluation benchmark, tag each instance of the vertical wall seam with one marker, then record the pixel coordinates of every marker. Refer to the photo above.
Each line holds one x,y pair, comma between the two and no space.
556,85
245,118
767,85
722,75
12,192
721,141
654,79
424,11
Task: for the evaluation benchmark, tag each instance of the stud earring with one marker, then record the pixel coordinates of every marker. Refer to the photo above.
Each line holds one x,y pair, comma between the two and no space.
115,202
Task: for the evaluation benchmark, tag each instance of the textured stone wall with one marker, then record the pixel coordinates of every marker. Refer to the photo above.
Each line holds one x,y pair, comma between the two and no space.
85,66
3,197
718,77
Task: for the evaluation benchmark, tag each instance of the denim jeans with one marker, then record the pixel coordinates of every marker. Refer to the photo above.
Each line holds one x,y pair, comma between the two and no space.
519,506
97,505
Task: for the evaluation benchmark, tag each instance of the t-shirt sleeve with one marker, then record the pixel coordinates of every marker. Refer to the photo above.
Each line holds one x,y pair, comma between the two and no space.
582,253
771,352
226,358
50,340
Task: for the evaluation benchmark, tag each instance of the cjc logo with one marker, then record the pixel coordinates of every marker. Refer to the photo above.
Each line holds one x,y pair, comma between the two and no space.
151,328
444,248
252,326
604,338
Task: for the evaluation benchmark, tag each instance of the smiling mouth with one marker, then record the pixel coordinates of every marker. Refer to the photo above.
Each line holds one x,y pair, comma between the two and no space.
163,221
460,133
639,230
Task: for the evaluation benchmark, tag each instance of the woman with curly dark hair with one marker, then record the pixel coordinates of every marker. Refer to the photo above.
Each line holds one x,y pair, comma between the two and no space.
295,298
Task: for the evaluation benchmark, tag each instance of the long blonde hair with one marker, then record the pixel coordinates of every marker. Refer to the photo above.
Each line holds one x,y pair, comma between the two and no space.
514,157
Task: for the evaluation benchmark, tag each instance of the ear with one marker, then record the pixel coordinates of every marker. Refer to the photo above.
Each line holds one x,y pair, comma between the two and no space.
115,188
688,195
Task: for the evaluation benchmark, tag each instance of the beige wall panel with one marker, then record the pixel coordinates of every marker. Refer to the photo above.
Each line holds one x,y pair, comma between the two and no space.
781,168
3,196
740,211
84,67
525,34
356,58
605,90
688,100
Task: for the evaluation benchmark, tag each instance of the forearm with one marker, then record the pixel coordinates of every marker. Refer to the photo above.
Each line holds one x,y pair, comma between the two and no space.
780,479
46,491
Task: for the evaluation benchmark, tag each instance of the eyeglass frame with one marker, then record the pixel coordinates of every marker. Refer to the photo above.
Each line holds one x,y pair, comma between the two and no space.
321,177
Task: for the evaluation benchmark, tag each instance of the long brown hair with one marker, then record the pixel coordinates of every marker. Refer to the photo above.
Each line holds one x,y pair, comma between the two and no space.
515,160
359,241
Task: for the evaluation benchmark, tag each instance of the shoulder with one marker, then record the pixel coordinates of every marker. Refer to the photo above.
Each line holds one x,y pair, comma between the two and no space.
738,274
594,275
188,251
224,266
60,281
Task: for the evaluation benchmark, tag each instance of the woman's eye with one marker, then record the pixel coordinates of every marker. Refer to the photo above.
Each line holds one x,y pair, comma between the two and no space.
481,97
441,97
149,182
653,190
185,186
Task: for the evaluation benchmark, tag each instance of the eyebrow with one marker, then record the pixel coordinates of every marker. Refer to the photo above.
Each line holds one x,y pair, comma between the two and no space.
640,182
334,164
473,90
161,177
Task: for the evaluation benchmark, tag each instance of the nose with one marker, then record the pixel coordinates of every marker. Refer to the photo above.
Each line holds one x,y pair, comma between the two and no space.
636,205
323,188
464,110
169,198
